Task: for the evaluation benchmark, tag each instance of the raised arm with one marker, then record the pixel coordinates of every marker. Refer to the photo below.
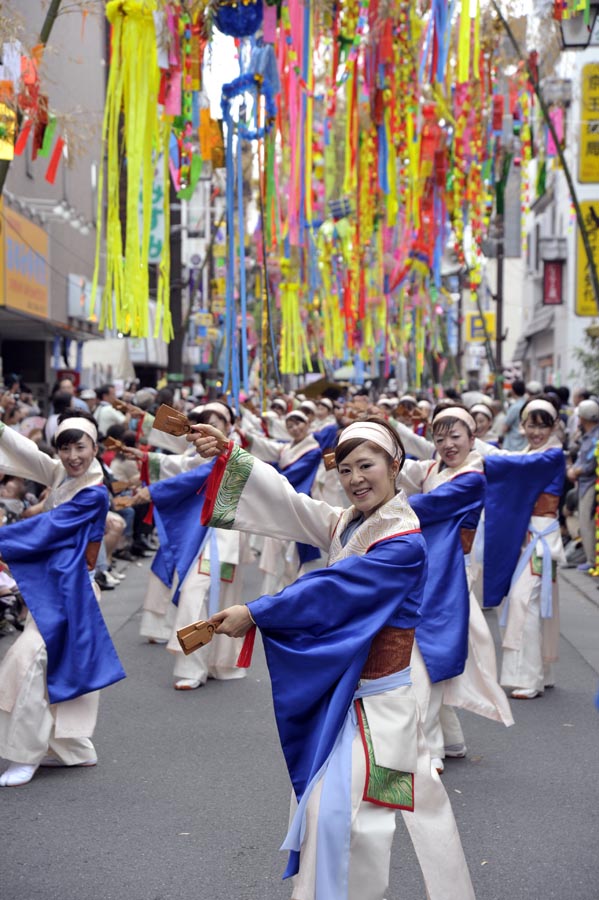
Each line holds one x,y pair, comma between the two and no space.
20,456
414,444
248,495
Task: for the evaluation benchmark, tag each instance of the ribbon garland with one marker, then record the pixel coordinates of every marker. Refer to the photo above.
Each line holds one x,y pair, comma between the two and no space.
380,147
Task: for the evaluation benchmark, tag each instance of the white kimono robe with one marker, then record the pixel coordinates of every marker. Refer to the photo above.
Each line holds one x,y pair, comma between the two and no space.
279,560
161,619
530,642
29,725
258,499
476,689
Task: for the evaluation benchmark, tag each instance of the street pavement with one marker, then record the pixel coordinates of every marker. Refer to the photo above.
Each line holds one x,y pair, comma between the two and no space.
190,796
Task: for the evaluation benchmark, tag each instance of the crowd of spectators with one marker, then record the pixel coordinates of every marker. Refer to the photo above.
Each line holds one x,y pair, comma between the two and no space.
125,421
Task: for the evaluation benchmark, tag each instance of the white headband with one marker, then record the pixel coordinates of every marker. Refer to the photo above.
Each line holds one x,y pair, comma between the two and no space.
407,398
298,415
456,412
220,409
307,404
539,406
482,408
278,402
370,431
78,424
324,401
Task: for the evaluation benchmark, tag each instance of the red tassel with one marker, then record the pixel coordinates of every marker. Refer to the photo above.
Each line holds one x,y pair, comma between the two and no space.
54,160
244,660
213,483
21,141
145,480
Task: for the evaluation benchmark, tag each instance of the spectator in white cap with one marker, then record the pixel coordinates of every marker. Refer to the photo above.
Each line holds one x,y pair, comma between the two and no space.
534,388
582,472
88,395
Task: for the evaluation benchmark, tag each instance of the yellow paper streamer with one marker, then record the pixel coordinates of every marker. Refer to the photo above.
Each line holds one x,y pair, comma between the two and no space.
133,92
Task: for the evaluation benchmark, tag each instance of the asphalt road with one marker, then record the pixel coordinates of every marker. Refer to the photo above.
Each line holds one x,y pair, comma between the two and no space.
190,796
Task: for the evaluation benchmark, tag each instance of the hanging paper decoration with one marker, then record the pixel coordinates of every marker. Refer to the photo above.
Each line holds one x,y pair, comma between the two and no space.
8,128
236,367
238,18
384,152
132,91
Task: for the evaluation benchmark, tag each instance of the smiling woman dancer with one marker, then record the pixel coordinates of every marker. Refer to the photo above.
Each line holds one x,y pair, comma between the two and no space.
50,677
338,644
530,611
454,640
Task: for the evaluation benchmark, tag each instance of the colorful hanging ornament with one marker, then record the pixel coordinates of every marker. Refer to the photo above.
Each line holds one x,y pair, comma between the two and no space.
238,18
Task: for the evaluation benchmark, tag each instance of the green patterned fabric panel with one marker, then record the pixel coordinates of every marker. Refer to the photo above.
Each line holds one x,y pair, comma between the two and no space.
239,466
227,570
537,566
386,786
154,466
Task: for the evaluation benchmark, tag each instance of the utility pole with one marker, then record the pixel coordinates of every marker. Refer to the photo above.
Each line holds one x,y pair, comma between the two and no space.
175,347
499,224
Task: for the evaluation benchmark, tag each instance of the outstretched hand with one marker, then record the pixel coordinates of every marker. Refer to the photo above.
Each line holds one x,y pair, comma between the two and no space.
235,621
209,441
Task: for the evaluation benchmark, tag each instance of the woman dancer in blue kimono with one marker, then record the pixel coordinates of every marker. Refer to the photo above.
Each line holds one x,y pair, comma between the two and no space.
338,644
51,675
456,664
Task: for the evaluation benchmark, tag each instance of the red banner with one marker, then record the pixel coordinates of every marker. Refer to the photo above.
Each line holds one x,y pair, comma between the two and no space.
552,283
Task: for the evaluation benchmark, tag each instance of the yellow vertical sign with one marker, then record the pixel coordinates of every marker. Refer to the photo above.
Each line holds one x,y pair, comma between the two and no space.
588,165
585,299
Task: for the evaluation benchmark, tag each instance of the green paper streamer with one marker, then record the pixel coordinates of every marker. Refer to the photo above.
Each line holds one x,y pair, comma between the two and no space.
194,175
48,137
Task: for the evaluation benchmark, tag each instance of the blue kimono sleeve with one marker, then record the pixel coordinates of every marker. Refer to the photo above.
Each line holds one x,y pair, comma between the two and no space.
442,633
326,437
46,555
317,633
513,485
178,504
163,564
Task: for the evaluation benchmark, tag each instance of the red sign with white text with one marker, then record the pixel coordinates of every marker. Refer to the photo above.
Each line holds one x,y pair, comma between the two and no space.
552,283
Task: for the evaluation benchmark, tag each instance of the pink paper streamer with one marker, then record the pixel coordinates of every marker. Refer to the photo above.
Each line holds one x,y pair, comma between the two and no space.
557,117
269,24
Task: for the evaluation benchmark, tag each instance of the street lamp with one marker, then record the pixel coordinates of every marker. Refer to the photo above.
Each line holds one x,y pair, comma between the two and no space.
576,34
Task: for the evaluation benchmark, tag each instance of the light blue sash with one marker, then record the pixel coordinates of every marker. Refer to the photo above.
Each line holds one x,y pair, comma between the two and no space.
214,597
546,571
334,818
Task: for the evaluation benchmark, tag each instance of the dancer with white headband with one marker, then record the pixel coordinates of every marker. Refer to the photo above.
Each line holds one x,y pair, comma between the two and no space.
338,644
214,576
299,460
524,491
484,417
52,557
454,657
